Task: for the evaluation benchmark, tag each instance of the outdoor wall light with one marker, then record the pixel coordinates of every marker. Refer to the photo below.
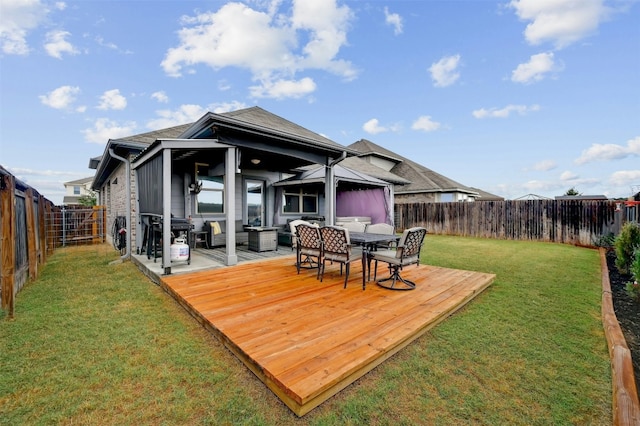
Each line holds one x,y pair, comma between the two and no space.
255,161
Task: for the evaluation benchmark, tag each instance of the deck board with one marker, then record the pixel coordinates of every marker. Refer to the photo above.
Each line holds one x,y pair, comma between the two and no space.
306,339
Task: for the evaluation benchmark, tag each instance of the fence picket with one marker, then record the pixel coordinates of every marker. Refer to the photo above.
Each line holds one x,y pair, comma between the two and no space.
578,222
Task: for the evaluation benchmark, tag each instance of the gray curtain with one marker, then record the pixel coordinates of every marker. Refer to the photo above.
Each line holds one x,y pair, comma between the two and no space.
278,206
150,186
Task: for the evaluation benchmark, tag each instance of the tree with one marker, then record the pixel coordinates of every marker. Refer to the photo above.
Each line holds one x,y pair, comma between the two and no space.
572,192
88,200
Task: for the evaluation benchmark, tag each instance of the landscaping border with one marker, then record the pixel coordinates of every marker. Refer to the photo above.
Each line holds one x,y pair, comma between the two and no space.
626,407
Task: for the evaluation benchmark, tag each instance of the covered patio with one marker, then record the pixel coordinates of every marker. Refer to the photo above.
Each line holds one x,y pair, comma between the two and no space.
306,339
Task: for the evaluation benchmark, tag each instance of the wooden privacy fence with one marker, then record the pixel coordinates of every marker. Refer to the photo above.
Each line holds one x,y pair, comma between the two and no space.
578,222
31,228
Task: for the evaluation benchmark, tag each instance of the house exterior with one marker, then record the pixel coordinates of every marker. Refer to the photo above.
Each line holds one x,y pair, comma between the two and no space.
420,183
75,189
252,167
221,168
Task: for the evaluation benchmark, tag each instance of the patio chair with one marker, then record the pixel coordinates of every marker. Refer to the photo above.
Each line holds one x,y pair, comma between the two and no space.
337,248
292,228
354,226
381,228
309,247
407,253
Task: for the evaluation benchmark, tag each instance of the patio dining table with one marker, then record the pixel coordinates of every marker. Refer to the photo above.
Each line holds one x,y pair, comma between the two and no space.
368,241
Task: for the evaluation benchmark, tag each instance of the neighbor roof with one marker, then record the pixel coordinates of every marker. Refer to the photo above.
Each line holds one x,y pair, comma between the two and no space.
486,196
79,181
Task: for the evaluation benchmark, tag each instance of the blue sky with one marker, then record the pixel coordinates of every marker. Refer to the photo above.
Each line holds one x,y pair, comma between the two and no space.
514,97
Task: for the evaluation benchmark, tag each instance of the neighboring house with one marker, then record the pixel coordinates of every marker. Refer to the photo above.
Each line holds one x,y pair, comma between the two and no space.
420,183
486,196
582,197
75,189
221,168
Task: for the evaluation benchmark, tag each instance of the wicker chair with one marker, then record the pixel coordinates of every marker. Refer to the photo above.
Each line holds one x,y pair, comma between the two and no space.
407,253
308,247
354,226
292,228
381,228
337,248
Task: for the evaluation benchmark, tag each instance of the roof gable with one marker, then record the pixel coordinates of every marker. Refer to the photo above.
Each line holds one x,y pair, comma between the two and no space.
259,121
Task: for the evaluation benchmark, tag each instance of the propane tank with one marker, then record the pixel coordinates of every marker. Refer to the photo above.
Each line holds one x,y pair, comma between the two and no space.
179,249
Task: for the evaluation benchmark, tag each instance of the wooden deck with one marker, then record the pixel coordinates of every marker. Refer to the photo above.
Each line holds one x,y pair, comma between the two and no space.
307,340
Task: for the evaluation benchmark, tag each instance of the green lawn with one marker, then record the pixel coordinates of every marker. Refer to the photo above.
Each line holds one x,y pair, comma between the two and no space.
97,343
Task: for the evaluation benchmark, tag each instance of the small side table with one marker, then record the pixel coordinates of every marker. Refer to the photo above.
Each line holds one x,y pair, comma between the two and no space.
199,237
263,238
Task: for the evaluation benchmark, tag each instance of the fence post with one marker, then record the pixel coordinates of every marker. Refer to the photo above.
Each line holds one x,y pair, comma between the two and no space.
31,235
7,246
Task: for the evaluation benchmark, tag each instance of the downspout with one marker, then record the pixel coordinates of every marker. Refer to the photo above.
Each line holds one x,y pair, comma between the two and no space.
330,190
339,159
127,253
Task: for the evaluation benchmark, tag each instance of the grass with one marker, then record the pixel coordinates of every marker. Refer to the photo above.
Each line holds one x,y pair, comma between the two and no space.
97,343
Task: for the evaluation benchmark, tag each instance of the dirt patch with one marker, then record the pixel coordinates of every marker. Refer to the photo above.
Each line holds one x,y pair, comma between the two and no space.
627,311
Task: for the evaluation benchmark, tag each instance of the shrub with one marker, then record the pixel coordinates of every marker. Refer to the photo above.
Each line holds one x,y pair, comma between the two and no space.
635,266
627,242
606,241
633,290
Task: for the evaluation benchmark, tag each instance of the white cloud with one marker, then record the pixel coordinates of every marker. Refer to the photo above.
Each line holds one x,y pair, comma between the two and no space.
373,127
394,20
535,186
105,129
535,69
112,99
18,18
605,152
282,89
425,123
223,85
266,43
160,96
561,22
568,176
57,44
183,115
61,98
219,108
444,72
504,112
545,165
60,5
625,177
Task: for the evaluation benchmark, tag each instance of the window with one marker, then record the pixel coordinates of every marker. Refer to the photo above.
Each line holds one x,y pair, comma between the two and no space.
447,198
254,204
76,190
300,202
211,196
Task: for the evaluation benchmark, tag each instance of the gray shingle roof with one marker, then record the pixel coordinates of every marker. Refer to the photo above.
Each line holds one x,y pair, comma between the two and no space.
79,181
361,165
259,117
149,137
422,179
